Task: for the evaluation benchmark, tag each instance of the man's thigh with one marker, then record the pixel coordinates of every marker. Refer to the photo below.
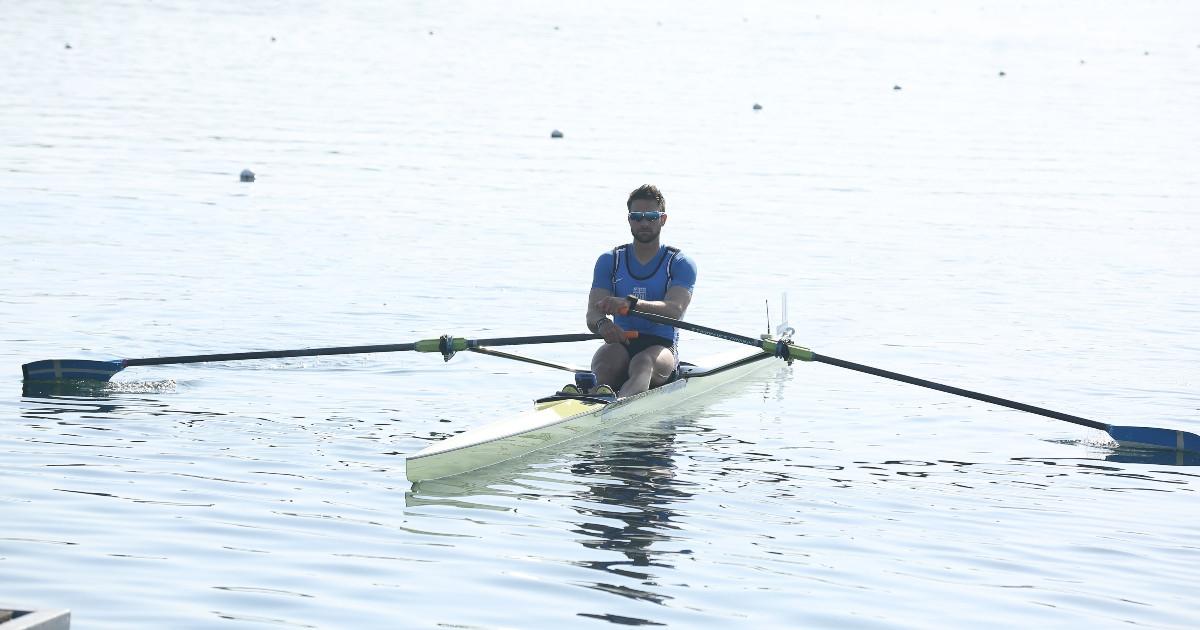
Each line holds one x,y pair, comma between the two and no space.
658,358
612,356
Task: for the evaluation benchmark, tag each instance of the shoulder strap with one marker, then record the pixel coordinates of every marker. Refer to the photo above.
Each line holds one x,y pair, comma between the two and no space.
672,252
616,265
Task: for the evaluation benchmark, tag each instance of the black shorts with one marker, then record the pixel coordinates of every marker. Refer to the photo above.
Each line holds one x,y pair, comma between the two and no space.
641,342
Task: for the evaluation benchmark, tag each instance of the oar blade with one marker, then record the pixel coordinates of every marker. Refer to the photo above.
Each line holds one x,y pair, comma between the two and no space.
1151,437
71,369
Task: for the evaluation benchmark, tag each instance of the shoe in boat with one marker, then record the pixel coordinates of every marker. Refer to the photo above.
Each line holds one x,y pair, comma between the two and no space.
603,391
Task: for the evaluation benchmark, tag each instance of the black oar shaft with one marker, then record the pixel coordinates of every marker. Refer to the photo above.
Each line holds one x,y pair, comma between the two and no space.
393,347
912,380
704,330
271,354
524,341
949,389
517,357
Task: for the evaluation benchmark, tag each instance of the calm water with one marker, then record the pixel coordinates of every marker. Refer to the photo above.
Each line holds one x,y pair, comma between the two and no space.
1032,235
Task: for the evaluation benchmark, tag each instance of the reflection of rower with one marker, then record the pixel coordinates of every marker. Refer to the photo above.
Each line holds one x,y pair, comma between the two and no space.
644,464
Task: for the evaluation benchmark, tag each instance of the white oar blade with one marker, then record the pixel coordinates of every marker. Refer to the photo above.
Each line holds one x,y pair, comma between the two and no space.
71,369
1150,437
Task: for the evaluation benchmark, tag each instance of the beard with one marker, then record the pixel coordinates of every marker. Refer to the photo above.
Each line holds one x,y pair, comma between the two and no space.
644,237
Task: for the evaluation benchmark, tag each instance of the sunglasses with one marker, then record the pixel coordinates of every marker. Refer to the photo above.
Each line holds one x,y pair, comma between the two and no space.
652,215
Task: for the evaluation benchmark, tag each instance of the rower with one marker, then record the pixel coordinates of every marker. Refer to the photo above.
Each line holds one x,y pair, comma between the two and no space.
650,276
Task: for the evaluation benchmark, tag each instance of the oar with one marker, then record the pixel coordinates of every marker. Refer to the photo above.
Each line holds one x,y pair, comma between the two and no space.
517,357
83,369
1127,436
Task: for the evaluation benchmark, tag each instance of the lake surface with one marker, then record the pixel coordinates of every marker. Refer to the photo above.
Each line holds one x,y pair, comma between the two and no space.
1003,198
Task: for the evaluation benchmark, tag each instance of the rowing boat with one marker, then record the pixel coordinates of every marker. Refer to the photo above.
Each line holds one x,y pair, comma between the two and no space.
557,419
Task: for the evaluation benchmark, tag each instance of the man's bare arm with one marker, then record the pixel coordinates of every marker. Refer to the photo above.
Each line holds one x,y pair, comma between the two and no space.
594,314
675,304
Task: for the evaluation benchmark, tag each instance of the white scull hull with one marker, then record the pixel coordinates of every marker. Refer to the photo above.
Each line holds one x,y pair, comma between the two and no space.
560,421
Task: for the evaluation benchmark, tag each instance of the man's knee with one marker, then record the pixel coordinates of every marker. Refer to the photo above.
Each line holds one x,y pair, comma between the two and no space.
610,358
611,354
658,359
641,361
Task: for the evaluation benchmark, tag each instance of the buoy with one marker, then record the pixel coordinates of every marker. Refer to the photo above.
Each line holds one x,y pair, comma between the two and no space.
897,87
1002,73
556,134
757,106
247,175
68,46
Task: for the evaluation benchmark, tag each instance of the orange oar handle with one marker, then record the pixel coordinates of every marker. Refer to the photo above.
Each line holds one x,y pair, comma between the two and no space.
629,334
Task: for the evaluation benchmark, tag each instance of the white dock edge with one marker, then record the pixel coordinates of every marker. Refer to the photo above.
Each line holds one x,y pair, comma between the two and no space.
14,619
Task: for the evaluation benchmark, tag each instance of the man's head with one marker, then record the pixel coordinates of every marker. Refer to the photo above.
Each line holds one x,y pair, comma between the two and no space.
647,213
650,193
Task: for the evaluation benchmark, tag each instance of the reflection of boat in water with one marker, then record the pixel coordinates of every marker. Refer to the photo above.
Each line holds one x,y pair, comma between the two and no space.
561,418
625,492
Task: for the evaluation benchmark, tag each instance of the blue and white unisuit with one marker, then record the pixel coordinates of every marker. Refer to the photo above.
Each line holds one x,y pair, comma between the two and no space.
620,272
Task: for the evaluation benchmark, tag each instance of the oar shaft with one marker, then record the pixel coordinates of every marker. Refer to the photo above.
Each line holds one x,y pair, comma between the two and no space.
523,341
517,357
766,345
995,400
806,355
270,354
429,345
704,330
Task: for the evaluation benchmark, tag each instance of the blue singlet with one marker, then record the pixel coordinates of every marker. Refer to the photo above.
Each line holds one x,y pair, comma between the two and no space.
624,275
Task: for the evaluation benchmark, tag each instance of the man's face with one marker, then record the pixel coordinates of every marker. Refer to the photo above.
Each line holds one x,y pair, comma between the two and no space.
644,229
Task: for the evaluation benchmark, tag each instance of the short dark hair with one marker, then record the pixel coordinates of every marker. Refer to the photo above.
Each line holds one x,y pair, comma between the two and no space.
647,191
